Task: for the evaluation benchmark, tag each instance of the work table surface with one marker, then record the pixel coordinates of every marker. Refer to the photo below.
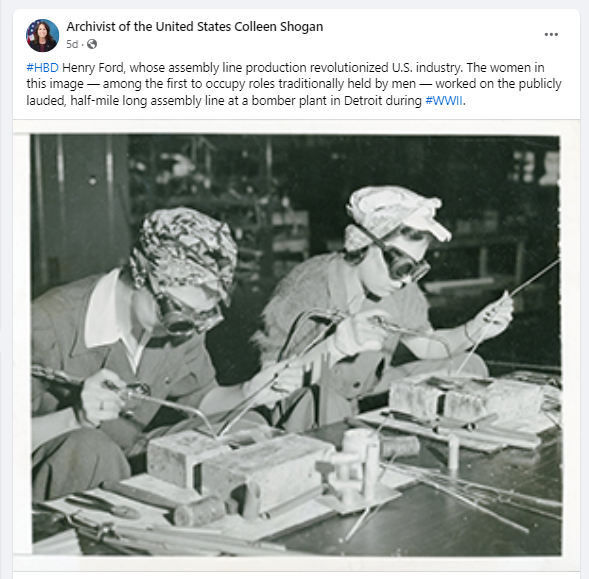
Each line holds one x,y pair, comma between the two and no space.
425,522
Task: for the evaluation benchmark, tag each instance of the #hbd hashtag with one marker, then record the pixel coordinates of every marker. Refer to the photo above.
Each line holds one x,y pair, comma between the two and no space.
30,66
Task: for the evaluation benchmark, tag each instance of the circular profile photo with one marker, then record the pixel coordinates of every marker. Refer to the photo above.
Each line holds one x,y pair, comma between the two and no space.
42,35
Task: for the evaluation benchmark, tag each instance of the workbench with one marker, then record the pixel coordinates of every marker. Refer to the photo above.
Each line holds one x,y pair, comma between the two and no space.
424,522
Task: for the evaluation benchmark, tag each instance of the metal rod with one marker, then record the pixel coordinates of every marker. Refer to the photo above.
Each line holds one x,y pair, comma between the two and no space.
249,404
473,504
534,510
534,278
357,525
498,491
378,430
520,366
295,502
511,294
172,538
175,406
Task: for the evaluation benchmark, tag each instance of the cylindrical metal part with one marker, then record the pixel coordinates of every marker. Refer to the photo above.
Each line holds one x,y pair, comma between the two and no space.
342,462
371,468
294,503
397,446
346,495
356,441
342,471
199,513
252,501
453,452
231,506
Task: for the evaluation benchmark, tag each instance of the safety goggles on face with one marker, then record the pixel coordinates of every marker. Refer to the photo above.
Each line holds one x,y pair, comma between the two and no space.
179,319
401,266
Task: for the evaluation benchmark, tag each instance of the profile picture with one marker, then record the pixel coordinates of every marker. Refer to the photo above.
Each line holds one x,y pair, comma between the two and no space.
42,35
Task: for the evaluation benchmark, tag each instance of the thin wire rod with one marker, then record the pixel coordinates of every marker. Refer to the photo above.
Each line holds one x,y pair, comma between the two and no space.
248,403
357,525
520,287
497,491
524,365
488,324
462,496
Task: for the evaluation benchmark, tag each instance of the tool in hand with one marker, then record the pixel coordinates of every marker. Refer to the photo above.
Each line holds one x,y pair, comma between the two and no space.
396,329
141,391
92,502
133,391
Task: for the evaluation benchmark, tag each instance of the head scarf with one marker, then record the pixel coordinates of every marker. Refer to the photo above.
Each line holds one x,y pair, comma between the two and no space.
382,209
181,247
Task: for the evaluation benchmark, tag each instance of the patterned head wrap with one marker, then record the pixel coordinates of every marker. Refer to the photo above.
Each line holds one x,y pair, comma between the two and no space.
181,247
382,209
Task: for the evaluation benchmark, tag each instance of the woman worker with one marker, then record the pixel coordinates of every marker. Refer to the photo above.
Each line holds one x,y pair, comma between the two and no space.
42,41
379,267
145,323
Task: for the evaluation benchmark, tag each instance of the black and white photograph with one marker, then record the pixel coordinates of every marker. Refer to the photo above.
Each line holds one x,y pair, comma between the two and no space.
297,345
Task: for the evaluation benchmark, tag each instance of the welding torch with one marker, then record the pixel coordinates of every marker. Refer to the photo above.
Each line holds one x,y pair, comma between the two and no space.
133,391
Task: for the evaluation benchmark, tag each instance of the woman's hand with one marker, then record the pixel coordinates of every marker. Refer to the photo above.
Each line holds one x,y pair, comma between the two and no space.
361,332
99,399
275,382
491,320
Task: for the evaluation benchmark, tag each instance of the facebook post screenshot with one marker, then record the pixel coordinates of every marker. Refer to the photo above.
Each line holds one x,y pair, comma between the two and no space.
295,289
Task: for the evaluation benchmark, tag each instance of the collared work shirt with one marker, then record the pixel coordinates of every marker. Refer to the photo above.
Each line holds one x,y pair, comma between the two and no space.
102,326
180,371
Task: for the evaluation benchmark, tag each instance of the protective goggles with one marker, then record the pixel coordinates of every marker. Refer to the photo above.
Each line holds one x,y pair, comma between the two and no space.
401,266
182,321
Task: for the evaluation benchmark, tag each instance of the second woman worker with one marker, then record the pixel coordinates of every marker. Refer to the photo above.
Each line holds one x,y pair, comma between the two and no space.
382,260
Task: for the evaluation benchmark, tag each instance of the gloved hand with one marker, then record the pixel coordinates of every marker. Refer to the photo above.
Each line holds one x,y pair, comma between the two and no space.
98,402
275,382
491,320
360,333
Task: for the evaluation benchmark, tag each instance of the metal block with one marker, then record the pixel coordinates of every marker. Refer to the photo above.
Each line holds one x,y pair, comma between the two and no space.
177,458
282,469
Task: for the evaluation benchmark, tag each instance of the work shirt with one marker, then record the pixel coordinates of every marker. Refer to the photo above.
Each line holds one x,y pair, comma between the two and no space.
180,371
